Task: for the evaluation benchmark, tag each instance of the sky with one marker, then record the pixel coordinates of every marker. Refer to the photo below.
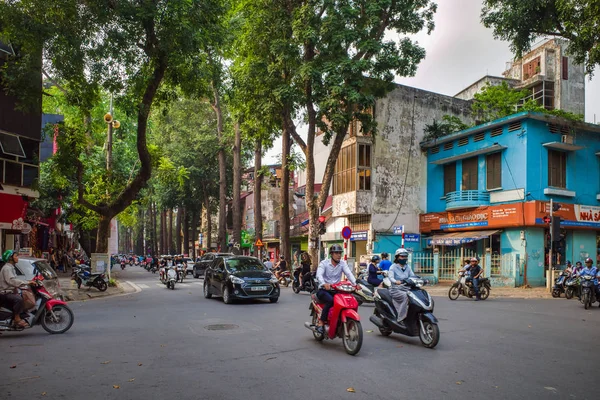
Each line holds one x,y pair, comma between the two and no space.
460,51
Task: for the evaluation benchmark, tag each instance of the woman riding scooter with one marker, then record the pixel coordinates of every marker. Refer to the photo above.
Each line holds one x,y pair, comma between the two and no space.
374,270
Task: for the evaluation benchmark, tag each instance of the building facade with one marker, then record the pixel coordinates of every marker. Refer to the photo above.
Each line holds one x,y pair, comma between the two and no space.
489,189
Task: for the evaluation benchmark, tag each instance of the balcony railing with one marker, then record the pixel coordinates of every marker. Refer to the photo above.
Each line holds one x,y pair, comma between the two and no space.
466,199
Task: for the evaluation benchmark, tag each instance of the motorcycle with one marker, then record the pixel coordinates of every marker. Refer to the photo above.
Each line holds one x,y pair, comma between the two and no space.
168,276
572,288
309,285
559,284
83,276
466,288
285,278
366,294
343,320
419,321
588,291
122,265
52,314
181,272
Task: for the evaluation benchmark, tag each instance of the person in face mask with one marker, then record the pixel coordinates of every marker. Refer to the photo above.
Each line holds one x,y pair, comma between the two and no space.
399,271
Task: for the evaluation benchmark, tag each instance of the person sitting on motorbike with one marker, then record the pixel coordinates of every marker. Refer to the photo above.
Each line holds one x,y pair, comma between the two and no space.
398,272
268,263
466,271
373,279
475,272
280,267
9,285
329,272
385,263
305,263
590,270
578,267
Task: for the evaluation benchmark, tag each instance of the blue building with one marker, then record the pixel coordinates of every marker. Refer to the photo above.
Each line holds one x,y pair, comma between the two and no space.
489,189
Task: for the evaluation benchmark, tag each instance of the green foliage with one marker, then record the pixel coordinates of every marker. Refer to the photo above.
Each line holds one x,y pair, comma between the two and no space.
523,22
495,102
112,282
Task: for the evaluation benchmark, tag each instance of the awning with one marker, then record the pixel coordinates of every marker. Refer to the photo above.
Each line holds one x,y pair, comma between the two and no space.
456,238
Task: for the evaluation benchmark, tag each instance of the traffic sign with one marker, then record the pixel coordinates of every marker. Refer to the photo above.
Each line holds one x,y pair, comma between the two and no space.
258,243
346,232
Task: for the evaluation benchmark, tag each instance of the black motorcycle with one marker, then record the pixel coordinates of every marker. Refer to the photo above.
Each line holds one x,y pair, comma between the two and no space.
588,291
559,284
310,284
572,288
419,321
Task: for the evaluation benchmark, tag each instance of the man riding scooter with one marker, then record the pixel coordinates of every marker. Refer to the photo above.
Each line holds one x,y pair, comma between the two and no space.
329,272
9,285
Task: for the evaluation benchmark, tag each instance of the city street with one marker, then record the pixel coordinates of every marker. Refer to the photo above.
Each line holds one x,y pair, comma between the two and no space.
157,344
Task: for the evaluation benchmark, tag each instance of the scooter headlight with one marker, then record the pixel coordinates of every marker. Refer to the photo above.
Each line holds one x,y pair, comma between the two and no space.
273,280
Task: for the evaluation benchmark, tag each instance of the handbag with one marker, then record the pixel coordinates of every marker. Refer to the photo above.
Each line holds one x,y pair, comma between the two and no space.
28,298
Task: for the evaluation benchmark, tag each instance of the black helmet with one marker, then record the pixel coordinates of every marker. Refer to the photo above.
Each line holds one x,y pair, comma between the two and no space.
375,258
336,248
384,255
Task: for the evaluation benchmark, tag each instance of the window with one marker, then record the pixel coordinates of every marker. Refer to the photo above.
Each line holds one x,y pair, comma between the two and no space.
493,164
565,68
344,177
364,167
469,174
11,145
449,178
557,169
12,173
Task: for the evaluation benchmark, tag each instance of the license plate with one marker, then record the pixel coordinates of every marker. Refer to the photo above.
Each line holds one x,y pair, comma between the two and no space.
258,288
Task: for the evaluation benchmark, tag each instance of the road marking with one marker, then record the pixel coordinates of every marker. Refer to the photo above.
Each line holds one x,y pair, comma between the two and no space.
143,286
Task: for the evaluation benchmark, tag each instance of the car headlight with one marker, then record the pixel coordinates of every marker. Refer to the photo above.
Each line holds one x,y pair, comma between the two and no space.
273,280
235,279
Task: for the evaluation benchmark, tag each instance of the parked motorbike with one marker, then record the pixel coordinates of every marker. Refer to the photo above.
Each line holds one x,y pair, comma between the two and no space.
466,288
168,276
310,284
343,320
559,284
572,287
52,314
419,321
588,291
83,276
285,278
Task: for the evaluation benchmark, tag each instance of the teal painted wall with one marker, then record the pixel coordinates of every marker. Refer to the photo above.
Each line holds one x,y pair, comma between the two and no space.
535,257
584,245
390,243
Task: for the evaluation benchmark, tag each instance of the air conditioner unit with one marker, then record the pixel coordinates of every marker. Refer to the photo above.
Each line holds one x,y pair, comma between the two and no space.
566,139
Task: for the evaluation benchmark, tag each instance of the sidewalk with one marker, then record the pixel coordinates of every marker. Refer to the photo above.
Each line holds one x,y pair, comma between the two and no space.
71,293
442,289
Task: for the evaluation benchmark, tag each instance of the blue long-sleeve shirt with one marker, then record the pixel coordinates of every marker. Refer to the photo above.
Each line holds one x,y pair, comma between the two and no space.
398,272
593,271
328,273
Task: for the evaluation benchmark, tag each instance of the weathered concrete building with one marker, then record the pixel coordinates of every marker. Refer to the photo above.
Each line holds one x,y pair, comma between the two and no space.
380,181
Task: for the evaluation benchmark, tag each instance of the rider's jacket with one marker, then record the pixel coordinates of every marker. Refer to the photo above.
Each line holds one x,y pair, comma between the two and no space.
328,273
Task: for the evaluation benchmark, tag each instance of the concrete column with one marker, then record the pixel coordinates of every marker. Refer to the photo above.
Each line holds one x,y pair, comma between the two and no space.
487,270
436,264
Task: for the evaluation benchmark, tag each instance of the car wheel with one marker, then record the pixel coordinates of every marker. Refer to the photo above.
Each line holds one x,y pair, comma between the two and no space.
207,293
273,299
227,296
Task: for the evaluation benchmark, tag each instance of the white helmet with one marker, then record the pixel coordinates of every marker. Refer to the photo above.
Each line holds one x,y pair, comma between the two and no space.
401,252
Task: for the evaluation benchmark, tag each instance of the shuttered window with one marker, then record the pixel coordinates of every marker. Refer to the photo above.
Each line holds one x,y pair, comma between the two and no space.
449,178
557,169
469,174
493,165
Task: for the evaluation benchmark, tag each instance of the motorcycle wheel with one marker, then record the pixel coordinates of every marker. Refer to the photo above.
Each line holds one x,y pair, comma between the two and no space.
569,293
555,293
431,336
296,287
454,292
318,336
172,285
59,320
78,281
207,293
227,296
586,301
101,285
284,282
352,342
484,293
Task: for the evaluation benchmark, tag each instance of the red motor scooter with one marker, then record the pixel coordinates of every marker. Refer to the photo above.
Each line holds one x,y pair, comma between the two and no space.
343,320
54,315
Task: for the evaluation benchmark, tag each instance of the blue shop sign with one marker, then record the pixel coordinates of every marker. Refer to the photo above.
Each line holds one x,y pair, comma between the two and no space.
412,237
358,236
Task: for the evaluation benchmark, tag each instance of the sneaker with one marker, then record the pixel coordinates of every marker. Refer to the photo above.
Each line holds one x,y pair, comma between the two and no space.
320,330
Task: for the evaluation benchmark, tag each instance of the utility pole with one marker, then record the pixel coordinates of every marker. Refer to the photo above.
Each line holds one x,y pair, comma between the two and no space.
550,251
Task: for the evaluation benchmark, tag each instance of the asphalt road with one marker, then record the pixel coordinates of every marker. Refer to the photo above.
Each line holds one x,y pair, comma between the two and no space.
155,344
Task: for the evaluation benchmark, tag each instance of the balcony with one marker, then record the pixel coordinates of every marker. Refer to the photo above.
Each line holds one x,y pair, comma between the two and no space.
466,199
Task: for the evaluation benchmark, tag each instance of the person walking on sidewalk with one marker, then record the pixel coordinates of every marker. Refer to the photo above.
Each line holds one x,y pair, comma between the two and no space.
475,271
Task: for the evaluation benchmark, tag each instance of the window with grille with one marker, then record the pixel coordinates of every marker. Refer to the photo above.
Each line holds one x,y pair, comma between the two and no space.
493,165
469,174
449,178
496,131
463,141
448,146
435,150
479,137
557,169
514,126
344,178
364,167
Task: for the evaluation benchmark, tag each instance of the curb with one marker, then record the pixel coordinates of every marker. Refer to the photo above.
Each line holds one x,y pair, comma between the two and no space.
136,289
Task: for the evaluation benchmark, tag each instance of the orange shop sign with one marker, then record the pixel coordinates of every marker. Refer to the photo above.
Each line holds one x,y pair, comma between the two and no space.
501,216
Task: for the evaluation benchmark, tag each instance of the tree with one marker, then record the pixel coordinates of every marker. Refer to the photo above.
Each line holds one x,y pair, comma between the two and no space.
125,48
330,61
523,22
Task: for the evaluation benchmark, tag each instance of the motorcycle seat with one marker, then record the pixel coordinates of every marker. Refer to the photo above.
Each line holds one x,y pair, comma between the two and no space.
314,297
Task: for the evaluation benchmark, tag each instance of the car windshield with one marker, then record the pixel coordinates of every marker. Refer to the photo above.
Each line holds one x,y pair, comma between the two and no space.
45,269
244,264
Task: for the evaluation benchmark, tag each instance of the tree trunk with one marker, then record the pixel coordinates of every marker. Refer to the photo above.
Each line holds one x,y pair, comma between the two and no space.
216,105
163,232
170,233
186,231
153,235
207,223
178,248
194,222
284,221
237,186
258,223
139,245
103,234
